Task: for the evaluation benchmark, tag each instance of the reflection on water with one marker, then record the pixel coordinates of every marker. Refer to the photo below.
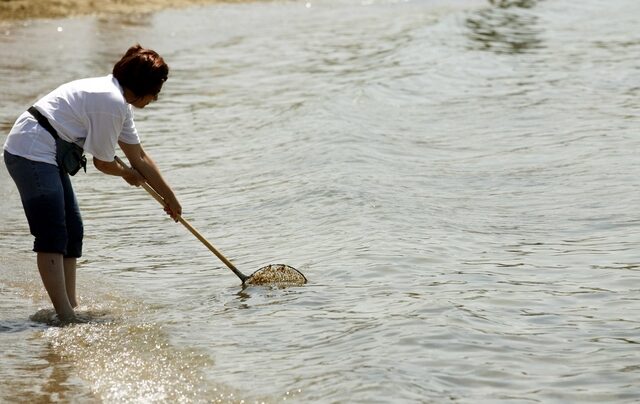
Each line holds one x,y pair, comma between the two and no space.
58,382
505,28
514,3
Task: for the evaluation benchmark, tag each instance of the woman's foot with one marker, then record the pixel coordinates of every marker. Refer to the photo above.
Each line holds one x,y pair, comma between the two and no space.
76,319
67,318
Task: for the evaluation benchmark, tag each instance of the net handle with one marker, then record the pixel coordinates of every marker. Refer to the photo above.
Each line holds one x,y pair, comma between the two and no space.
189,227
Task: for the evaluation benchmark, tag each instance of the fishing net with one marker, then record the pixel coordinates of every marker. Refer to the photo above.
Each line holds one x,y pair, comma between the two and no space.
276,274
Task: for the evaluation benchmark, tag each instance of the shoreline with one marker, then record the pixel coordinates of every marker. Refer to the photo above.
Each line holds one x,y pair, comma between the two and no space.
16,10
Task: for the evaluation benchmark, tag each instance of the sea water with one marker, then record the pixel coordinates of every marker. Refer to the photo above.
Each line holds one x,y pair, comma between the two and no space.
458,180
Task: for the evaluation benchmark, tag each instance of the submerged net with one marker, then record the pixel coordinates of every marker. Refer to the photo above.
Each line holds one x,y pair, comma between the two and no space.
276,274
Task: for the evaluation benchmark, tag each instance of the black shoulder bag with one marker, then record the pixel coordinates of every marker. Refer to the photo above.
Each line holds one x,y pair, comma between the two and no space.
69,156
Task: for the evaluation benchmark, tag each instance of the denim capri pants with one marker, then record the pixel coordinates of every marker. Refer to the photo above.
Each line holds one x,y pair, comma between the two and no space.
50,205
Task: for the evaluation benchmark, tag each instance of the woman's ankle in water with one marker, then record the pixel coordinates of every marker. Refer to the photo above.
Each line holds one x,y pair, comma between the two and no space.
67,316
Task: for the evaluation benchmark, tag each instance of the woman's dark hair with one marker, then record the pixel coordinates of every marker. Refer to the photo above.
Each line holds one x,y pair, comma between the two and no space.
142,71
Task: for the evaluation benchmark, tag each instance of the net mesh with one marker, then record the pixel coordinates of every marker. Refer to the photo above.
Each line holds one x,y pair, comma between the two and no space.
278,274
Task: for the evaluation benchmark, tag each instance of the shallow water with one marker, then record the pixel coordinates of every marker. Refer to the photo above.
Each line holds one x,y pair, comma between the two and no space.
456,179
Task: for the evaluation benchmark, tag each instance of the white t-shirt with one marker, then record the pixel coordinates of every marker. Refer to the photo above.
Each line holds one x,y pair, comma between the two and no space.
92,113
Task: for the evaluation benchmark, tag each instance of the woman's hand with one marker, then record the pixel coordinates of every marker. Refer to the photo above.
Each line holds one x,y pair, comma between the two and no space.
173,208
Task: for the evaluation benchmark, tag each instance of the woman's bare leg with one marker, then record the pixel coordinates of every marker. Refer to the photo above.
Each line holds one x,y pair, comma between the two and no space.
70,280
52,272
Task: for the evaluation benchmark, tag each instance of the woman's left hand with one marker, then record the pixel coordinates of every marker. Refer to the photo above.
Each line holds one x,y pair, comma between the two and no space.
173,208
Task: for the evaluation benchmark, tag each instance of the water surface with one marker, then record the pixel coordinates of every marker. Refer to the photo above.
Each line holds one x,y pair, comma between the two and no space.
456,179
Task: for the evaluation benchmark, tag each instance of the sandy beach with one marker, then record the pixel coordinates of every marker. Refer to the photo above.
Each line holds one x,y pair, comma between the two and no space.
26,9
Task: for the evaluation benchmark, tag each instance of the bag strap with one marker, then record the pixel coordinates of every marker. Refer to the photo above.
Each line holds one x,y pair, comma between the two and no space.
43,121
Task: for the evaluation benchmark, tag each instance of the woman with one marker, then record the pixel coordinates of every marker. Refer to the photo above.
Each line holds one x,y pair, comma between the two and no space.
94,114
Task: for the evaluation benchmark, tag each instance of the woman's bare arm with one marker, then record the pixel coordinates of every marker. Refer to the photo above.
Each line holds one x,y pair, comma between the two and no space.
144,164
113,168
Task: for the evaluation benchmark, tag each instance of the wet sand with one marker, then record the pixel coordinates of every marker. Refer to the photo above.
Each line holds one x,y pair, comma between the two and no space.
27,9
